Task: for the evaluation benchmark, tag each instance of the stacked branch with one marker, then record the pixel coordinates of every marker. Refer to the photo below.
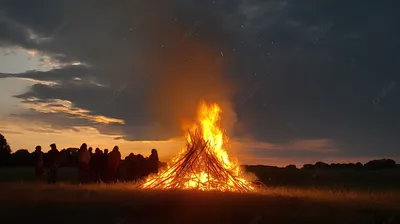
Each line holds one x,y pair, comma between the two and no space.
198,167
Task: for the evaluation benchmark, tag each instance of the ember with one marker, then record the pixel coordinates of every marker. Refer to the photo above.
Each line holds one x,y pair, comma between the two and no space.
203,163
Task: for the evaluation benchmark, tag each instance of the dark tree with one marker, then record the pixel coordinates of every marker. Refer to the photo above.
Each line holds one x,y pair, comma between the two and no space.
5,151
291,167
380,164
22,157
321,166
308,167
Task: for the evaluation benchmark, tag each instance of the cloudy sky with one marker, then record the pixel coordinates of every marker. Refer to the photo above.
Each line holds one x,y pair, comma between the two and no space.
298,81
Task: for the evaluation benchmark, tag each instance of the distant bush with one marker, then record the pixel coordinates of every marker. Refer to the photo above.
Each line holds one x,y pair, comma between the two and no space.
291,166
380,164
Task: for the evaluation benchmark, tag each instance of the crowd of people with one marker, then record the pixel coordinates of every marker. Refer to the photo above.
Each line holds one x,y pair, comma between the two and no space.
97,166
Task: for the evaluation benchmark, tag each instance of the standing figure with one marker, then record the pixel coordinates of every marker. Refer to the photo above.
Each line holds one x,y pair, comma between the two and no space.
152,162
113,163
95,165
39,164
90,173
104,166
83,167
52,168
92,164
90,151
130,167
139,167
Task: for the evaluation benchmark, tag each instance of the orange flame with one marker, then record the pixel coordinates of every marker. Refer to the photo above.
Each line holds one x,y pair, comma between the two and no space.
200,178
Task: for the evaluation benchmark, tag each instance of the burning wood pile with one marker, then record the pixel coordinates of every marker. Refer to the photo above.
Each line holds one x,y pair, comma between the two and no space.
203,164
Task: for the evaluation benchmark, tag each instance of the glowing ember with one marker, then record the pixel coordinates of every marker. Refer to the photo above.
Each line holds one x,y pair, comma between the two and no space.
203,164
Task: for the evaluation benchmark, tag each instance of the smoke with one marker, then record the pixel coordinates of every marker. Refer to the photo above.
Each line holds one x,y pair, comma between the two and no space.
249,176
187,74
174,67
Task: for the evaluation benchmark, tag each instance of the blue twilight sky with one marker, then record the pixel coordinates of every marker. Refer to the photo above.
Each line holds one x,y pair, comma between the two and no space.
298,81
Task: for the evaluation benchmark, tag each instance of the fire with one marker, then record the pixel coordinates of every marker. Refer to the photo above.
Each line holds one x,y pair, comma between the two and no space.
203,164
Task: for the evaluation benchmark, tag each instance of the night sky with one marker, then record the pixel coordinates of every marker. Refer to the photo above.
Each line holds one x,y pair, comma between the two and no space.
298,81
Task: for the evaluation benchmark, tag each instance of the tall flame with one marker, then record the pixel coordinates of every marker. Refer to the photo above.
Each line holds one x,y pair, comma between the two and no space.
210,167
209,116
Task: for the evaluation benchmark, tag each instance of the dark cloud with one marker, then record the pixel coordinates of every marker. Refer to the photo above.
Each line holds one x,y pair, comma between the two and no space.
13,33
67,73
316,65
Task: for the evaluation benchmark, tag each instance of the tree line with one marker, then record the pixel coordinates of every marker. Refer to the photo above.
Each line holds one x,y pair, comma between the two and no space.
23,157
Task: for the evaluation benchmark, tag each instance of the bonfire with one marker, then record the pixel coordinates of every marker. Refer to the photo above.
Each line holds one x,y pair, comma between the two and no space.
203,163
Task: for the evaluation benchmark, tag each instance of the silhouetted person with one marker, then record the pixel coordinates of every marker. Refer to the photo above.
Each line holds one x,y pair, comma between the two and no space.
130,167
92,170
139,167
83,167
152,162
114,158
90,149
39,164
104,166
95,165
52,168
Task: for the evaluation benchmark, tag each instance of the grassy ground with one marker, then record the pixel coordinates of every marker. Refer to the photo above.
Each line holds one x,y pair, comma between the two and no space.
22,201
27,174
123,203
348,179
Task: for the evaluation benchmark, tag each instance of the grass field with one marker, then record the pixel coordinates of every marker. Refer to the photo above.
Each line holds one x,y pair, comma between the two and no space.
124,203
26,174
